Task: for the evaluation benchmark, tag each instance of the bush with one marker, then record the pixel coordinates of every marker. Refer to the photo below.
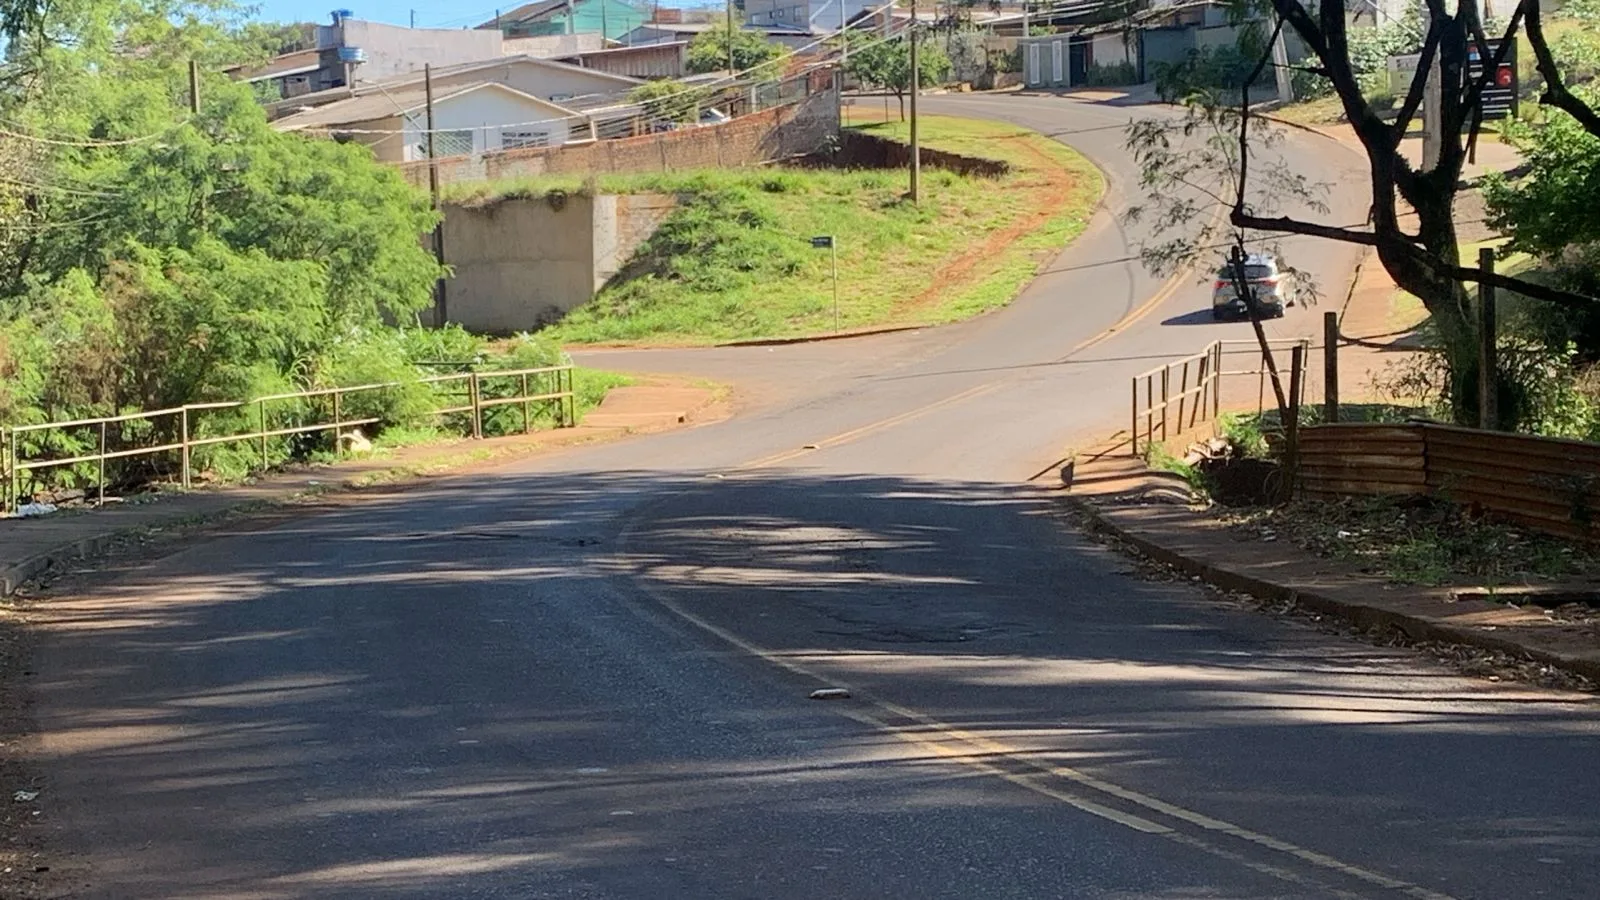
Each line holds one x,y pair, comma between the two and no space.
1310,85
1112,75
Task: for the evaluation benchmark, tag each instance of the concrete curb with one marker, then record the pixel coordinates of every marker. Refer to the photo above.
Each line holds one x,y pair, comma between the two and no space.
16,575
818,338
1360,615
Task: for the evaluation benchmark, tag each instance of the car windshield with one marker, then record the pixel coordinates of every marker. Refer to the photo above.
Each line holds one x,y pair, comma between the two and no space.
1254,273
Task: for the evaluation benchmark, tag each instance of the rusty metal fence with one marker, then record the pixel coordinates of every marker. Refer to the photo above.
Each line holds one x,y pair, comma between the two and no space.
1178,396
180,431
1549,484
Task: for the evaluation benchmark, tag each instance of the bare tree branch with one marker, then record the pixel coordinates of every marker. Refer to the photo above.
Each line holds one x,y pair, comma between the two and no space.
1555,89
1419,83
1244,114
1517,285
1241,219
1440,269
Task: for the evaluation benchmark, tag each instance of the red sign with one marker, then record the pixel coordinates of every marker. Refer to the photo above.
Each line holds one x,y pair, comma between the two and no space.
1504,75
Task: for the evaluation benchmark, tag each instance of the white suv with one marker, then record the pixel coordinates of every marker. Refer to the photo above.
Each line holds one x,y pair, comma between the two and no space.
1273,283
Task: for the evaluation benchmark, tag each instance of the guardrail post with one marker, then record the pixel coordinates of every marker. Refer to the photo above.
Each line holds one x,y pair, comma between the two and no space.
572,398
266,461
475,391
1165,372
1291,426
1133,426
1330,366
338,425
8,500
527,419
101,482
1183,395
1216,382
184,420
1149,411
1488,356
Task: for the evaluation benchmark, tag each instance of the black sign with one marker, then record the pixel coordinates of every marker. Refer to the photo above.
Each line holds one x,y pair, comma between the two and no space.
822,243
1499,99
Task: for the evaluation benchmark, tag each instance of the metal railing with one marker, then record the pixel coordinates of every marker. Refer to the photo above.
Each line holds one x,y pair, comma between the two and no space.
178,430
1172,405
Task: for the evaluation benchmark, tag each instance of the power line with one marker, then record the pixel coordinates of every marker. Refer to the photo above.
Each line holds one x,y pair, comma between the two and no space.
6,130
584,118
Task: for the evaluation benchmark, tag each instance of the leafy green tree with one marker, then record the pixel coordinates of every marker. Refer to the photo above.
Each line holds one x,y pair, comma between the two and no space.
708,52
671,100
887,64
164,257
1411,224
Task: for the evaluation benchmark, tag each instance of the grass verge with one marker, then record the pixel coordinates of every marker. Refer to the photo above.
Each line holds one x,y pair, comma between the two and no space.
735,260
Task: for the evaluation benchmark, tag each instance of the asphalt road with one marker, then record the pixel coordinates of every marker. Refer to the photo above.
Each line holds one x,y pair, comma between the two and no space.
588,675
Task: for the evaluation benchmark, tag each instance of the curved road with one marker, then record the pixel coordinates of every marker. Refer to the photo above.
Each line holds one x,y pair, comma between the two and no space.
588,675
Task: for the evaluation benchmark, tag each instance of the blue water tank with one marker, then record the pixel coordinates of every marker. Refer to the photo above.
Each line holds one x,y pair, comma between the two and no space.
339,15
352,55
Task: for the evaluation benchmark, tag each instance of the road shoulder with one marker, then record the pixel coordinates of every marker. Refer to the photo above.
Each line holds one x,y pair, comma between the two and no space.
1148,513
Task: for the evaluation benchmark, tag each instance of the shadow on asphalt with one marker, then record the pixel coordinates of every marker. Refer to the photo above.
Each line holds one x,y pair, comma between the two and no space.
462,687
1197,317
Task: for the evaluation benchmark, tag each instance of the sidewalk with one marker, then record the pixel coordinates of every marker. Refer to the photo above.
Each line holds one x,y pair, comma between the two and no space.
1151,512
32,547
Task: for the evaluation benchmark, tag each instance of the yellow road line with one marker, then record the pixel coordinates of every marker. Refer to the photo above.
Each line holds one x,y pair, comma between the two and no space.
947,742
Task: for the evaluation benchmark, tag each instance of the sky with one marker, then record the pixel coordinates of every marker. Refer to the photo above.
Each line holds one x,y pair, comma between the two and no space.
430,13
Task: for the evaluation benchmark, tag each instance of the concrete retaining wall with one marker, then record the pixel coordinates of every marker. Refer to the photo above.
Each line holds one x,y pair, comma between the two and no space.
858,150
523,263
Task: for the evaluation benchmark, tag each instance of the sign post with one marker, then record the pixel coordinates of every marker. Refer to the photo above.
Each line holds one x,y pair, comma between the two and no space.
827,241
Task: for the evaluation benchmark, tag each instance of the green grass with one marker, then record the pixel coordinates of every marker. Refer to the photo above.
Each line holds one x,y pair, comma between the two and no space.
734,261
1158,458
1327,110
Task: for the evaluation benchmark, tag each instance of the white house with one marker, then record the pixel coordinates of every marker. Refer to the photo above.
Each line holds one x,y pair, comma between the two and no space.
543,78
480,118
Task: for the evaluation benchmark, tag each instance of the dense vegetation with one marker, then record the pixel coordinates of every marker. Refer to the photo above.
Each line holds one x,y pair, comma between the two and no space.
151,256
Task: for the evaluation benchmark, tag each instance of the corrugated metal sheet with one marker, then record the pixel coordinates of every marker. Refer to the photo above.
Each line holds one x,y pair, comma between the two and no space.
1549,484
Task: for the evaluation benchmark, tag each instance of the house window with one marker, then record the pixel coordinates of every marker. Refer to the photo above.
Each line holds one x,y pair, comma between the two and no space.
445,143
522,140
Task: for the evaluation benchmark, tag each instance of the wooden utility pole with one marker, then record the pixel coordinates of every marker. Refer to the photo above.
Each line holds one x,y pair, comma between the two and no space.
1488,353
916,87
731,70
844,42
1291,423
1330,366
194,87
441,313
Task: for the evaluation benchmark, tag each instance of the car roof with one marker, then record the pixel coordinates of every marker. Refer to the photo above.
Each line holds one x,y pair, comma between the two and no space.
1258,259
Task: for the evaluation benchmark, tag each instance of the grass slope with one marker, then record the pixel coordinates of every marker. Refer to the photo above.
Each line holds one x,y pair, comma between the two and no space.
735,260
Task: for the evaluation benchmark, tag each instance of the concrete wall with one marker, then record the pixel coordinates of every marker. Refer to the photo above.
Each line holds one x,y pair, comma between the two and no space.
783,132
547,81
1110,50
394,50
386,146
550,45
523,263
